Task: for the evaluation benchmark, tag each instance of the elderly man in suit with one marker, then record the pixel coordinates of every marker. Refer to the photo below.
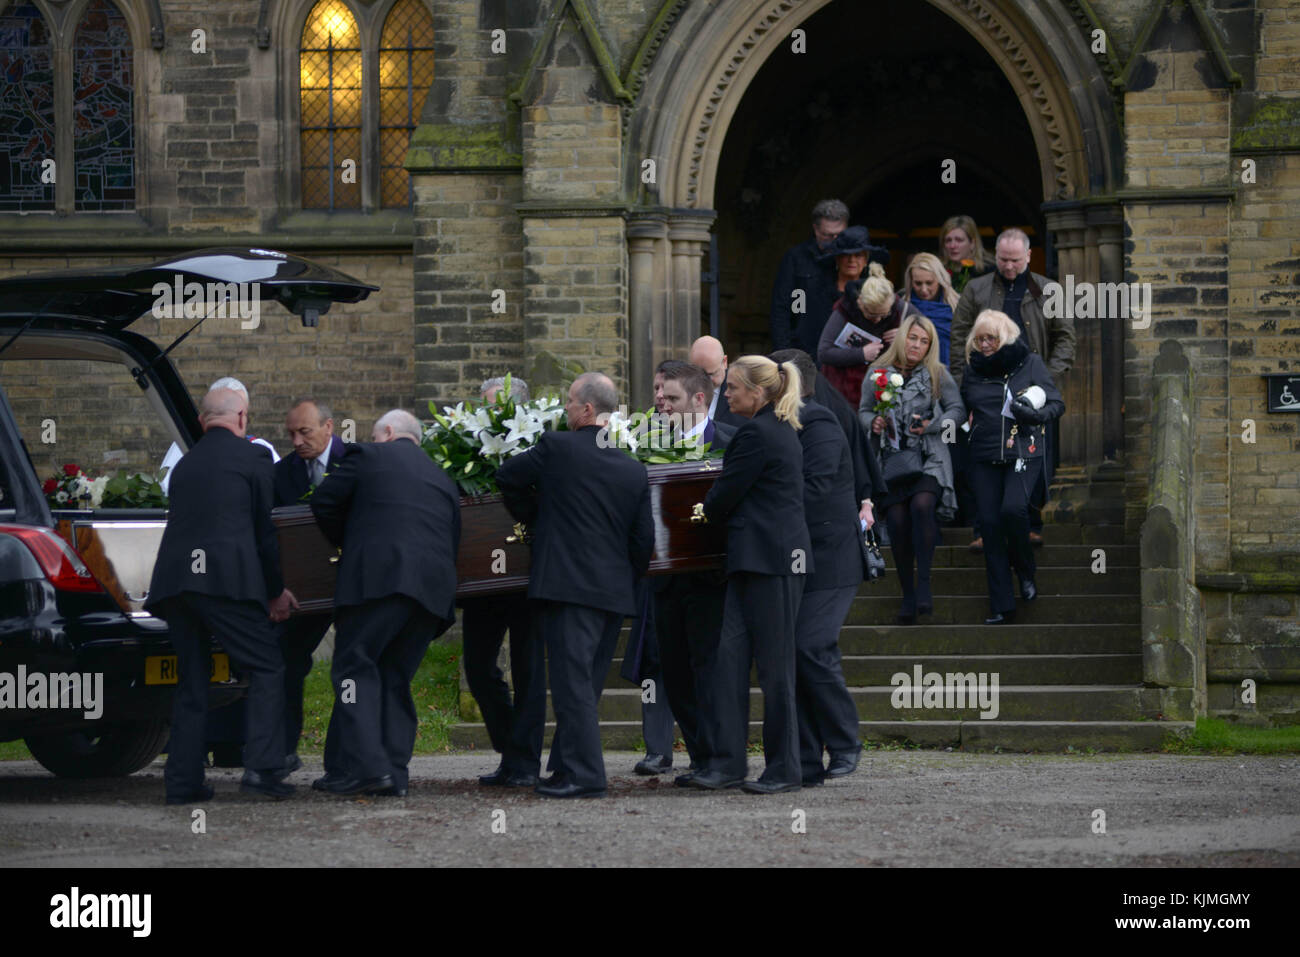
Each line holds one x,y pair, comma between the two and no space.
707,353
310,424
218,573
515,728
588,505
397,517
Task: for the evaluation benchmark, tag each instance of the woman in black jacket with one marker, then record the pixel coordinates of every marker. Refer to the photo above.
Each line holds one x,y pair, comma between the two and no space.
1012,398
759,496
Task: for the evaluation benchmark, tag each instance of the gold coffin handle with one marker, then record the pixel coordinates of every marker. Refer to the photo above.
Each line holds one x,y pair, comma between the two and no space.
334,559
697,515
518,535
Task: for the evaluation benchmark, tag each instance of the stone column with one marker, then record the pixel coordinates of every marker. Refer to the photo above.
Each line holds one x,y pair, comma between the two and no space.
1069,226
1108,224
688,233
647,240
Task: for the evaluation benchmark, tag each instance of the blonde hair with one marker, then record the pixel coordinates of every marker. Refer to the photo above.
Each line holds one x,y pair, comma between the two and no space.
877,293
780,384
931,264
967,226
895,355
1007,331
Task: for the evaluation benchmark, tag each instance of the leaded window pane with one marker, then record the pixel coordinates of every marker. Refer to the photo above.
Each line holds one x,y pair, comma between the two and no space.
405,72
330,81
103,111
26,111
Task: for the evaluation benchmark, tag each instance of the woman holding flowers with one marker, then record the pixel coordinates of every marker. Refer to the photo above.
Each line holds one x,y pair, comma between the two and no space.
912,408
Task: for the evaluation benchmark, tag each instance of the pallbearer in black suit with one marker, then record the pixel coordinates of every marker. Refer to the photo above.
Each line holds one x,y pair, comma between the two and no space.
310,425
397,517
828,718
218,573
587,504
759,497
515,728
707,353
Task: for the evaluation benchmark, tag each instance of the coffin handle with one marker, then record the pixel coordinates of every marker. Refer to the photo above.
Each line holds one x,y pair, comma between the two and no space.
519,535
334,559
697,515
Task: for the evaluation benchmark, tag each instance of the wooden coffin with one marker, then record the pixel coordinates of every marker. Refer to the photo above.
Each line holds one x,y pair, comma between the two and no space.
494,559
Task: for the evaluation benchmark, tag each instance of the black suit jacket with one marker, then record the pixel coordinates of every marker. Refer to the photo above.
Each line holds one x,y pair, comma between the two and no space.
397,517
588,509
291,481
718,435
220,503
867,479
828,501
759,496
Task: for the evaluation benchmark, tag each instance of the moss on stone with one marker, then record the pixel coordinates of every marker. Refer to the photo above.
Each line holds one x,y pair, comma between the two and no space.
439,147
1274,123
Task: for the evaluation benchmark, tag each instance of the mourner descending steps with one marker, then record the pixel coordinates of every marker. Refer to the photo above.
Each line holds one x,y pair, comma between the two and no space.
1069,670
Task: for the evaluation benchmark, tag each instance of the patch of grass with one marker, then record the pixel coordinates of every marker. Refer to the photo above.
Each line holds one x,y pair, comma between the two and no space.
1216,736
14,751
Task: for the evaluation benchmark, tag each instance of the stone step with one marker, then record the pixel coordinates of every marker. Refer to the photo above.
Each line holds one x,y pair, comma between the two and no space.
1070,580
1019,639
956,553
870,670
1015,703
1109,609
968,735
1054,534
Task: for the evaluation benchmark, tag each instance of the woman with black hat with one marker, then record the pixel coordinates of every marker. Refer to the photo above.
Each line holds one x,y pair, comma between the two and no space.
871,306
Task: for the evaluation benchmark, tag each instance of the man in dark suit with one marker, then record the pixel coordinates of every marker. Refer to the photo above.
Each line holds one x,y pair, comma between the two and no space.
514,727
310,425
797,320
588,506
397,517
828,716
707,353
218,573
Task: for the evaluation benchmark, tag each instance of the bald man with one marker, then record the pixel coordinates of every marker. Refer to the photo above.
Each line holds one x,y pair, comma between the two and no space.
587,504
397,517
708,354
218,573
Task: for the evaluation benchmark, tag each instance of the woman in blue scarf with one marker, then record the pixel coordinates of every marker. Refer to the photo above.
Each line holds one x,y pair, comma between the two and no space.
928,288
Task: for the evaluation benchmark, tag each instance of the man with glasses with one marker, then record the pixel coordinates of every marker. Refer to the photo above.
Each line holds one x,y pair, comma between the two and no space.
707,354
1013,289
805,292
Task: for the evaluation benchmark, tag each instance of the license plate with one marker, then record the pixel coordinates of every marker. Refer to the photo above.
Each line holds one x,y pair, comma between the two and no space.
161,669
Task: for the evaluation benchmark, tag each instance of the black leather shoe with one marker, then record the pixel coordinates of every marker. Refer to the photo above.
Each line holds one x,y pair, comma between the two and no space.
521,779
684,780
291,763
193,797
266,784
345,785
713,781
1001,618
565,789
497,779
1028,590
815,781
763,787
843,764
395,791
323,783
654,764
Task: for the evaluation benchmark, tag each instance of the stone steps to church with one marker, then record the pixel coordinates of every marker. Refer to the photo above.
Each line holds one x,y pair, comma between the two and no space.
1050,579
1098,609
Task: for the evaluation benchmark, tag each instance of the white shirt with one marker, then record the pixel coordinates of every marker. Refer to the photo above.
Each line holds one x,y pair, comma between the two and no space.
713,403
698,432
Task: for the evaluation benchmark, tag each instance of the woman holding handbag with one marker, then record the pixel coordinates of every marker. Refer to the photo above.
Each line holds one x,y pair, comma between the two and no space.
907,421
1013,399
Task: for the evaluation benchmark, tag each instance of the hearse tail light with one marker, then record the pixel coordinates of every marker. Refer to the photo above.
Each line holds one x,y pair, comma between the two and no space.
61,564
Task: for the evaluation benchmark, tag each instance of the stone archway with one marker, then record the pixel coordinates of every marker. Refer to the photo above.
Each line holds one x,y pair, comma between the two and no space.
697,69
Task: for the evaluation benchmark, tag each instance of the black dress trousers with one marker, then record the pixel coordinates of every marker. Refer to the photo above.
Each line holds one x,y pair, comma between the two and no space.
827,715
515,729
1003,497
688,624
380,644
580,643
252,642
758,625
300,636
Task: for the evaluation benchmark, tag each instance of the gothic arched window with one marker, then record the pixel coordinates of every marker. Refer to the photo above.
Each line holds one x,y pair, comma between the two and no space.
26,110
103,114
330,73
405,72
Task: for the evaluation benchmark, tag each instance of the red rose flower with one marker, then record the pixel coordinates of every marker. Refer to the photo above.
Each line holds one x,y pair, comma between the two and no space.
70,469
50,486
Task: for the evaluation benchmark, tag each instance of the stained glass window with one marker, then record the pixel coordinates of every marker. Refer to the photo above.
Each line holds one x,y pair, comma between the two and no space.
103,131
26,110
330,74
405,72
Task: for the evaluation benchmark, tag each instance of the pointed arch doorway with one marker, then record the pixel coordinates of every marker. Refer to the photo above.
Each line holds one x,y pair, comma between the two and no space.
712,110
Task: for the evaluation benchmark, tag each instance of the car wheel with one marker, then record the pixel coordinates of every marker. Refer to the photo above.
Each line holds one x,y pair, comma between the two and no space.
104,753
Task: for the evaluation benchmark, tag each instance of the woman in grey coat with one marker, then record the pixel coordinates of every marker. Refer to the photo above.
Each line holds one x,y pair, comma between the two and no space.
913,438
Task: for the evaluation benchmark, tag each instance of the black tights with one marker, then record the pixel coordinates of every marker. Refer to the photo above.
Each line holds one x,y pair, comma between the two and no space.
913,535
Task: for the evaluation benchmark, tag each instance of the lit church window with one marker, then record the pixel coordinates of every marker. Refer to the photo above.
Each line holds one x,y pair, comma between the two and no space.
405,72
330,75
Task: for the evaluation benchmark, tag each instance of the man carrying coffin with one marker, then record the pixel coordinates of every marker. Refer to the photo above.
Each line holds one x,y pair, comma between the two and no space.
588,507
397,517
218,573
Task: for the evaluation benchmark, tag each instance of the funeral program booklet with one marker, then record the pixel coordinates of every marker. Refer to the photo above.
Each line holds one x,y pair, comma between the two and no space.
853,337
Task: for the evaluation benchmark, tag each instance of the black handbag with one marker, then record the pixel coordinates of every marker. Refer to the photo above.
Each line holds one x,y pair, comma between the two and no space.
872,558
901,465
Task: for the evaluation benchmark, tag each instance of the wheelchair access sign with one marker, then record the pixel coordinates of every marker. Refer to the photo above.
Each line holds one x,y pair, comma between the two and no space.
1283,392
